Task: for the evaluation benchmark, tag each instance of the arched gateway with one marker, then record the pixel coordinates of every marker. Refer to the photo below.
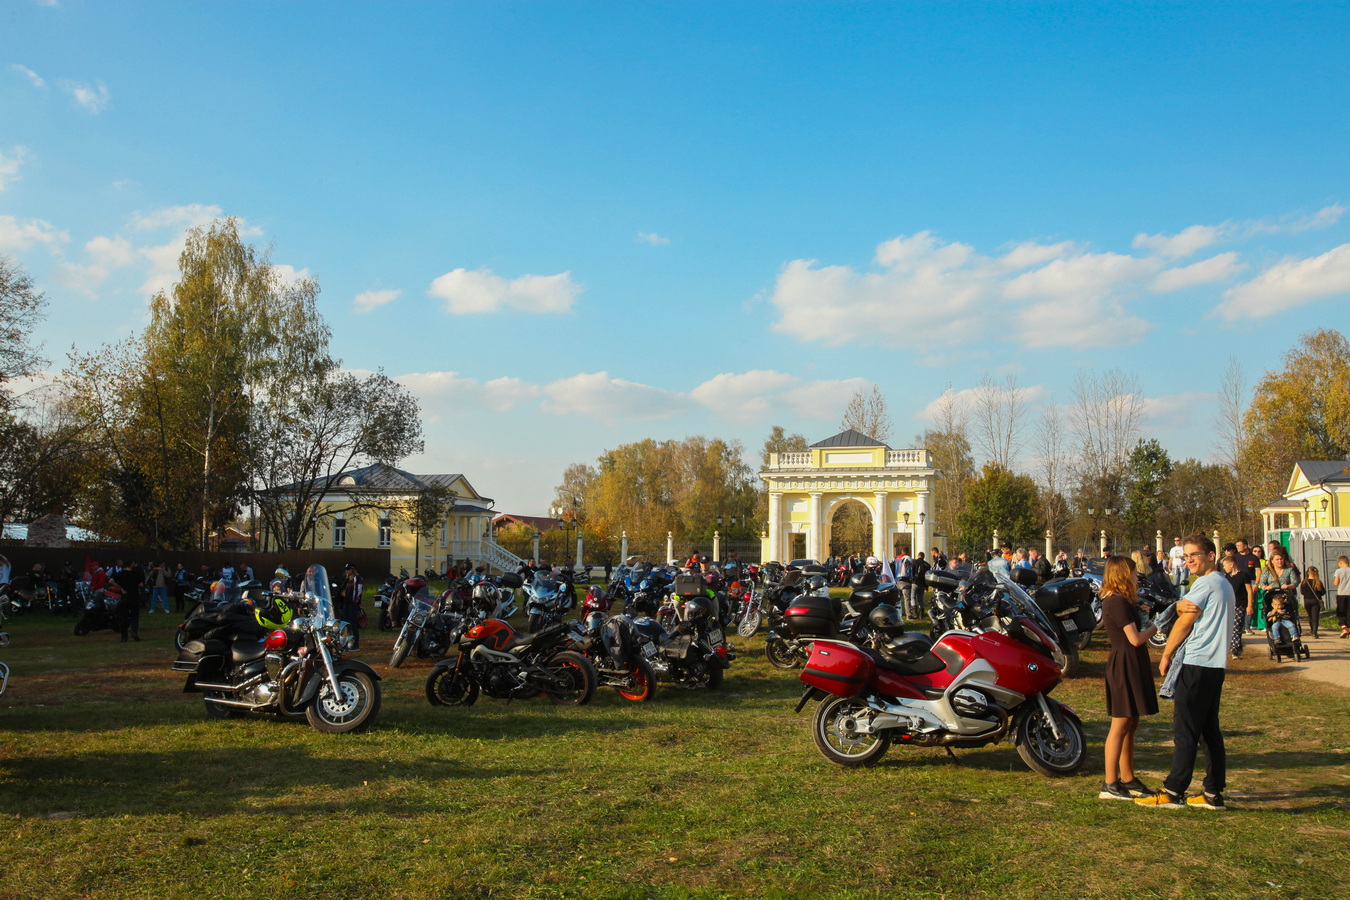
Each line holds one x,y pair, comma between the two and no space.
805,487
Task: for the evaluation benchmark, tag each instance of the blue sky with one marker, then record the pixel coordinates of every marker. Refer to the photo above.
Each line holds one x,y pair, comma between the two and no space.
567,226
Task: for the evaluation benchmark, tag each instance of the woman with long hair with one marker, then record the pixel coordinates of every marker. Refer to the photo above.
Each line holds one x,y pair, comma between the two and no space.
1312,590
1277,578
1130,692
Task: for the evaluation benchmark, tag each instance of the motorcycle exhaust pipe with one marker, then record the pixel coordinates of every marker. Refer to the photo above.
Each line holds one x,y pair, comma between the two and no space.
239,704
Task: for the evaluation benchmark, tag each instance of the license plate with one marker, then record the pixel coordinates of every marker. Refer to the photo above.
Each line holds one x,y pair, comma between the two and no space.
649,649
716,636
1070,625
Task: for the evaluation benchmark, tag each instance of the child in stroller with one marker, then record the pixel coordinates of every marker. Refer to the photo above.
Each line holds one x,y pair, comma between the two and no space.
1283,635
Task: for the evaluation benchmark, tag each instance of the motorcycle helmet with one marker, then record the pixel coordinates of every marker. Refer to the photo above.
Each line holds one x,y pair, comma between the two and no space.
696,609
415,584
887,620
817,583
593,621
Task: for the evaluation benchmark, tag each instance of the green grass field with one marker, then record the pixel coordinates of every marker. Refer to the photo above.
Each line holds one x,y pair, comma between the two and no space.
113,784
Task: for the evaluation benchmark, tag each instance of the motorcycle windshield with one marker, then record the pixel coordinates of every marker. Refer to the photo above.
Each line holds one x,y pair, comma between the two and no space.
317,591
1027,607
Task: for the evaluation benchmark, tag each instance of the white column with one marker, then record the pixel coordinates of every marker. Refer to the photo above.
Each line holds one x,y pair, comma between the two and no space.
1216,540
670,546
1102,543
775,525
623,547
881,527
536,545
995,544
1157,544
1049,545
923,537
815,541
717,546
580,547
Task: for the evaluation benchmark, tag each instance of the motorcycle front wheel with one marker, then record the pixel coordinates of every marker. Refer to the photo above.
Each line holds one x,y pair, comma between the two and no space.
642,684
352,709
576,679
447,688
402,645
178,640
1045,754
749,624
837,737
779,655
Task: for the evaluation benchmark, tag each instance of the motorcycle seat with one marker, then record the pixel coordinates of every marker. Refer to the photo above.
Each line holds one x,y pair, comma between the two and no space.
246,651
925,665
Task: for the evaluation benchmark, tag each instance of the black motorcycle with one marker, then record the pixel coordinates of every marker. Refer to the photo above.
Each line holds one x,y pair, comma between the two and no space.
433,626
620,653
100,611
496,660
297,671
693,652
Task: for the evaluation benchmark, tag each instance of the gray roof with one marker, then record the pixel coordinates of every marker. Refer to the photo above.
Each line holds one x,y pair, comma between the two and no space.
391,479
850,438
1319,470
1283,503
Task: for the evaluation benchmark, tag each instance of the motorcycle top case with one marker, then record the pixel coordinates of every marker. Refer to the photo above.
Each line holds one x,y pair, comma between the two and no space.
688,585
1057,596
942,580
511,580
838,668
813,617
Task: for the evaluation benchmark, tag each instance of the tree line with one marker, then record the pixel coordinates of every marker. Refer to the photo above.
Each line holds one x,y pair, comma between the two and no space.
228,407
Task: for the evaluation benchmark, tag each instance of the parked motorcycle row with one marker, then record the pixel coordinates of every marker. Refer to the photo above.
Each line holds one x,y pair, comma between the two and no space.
998,647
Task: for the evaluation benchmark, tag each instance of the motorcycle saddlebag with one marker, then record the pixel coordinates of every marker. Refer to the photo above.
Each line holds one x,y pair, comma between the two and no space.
838,668
201,656
1058,596
813,617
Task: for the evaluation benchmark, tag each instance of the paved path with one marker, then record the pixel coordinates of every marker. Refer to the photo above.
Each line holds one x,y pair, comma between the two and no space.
1330,656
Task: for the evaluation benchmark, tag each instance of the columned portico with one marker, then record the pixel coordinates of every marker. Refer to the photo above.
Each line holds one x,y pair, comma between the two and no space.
806,487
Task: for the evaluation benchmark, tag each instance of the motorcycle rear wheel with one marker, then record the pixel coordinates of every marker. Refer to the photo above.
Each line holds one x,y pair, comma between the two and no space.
1084,640
838,740
777,652
715,676
446,688
354,710
749,624
643,688
1045,754
82,628
576,676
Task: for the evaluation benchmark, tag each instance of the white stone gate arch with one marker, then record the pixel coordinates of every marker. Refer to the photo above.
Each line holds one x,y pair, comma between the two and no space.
806,486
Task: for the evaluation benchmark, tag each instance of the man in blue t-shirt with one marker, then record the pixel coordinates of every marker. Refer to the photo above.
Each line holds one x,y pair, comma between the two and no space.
1205,624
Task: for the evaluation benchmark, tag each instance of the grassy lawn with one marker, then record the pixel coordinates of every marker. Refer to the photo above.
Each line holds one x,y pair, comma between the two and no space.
113,784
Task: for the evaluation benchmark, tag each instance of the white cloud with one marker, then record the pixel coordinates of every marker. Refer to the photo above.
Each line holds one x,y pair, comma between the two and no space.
102,255
369,300
965,399
34,78
481,291
190,215
93,99
17,234
9,166
1323,218
290,276
1197,237
596,395
447,394
1175,411
1287,284
1208,271
651,237
750,394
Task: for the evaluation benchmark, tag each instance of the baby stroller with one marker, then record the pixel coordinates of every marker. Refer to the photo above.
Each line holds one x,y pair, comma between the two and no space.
1284,636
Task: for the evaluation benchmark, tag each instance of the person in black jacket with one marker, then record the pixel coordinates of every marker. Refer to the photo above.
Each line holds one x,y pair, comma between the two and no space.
1041,566
129,608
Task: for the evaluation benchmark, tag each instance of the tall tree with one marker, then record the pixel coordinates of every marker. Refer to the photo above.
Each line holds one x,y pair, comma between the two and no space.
1050,447
1105,419
22,307
1299,412
949,446
1229,434
779,441
1193,499
1149,469
999,500
866,414
999,413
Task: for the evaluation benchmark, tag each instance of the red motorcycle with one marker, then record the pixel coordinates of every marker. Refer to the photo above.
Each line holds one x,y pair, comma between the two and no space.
970,689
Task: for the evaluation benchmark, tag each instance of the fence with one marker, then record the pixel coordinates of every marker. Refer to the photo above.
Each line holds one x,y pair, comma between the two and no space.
372,564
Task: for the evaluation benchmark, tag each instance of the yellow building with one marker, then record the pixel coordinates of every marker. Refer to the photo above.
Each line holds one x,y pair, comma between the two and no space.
806,488
1312,519
372,507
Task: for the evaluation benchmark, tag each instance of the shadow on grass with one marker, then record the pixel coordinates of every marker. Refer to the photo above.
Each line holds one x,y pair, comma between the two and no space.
221,781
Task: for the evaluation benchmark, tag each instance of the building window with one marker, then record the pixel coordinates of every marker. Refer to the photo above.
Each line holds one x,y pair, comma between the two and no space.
386,530
339,533
445,533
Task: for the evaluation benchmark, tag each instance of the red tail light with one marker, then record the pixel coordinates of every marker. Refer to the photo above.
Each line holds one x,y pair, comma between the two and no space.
276,640
722,651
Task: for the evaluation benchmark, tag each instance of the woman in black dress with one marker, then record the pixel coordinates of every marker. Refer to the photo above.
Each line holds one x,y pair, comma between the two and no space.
1129,677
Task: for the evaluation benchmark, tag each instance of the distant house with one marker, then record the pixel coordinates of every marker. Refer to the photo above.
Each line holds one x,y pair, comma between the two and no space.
538,523
371,508
1312,518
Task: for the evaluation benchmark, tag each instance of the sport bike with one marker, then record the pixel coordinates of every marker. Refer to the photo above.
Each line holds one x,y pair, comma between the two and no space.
496,660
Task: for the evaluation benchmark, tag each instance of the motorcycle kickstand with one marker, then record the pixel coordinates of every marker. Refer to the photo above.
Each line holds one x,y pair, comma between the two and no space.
955,761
